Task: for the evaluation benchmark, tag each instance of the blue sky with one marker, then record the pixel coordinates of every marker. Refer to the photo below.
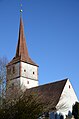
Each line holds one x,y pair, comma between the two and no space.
52,35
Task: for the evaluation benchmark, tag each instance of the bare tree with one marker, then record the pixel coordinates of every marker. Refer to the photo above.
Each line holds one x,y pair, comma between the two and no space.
3,62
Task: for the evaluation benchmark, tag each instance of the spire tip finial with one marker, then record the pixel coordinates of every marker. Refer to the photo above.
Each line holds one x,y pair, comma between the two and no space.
21,8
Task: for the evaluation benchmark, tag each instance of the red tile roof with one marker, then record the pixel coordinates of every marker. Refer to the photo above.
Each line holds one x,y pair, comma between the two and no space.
22,51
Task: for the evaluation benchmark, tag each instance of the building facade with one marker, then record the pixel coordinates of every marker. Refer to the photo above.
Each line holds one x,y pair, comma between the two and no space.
22,73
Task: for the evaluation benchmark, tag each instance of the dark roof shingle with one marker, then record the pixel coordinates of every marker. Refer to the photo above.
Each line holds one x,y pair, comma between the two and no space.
49,94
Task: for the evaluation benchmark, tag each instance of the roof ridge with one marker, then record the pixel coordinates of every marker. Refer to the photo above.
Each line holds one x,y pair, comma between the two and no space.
51,83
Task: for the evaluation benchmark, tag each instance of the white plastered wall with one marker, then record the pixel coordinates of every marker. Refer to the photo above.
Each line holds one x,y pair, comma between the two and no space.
25,85
29,76
67,99
28,69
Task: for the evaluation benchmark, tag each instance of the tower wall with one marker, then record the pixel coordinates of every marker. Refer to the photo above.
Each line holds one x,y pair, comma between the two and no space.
26,83
29,71
13,88
29,75
21,76
12,80
13,71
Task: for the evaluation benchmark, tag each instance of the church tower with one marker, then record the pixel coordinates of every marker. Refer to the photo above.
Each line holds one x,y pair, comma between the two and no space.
22,72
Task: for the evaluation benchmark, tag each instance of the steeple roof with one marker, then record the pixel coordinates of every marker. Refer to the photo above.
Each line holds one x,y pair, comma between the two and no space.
21,51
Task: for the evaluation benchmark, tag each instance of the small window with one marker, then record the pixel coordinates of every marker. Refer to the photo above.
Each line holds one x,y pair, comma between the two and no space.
69,86
33,72
24,70
27,82
13,69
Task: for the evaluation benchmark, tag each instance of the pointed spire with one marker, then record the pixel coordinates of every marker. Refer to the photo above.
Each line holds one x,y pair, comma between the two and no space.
21,47
22,51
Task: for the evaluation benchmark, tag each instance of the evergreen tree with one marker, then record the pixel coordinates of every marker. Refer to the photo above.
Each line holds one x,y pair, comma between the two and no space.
75,111
26,107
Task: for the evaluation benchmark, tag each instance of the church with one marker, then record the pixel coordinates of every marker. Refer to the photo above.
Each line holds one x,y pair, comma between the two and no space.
22,73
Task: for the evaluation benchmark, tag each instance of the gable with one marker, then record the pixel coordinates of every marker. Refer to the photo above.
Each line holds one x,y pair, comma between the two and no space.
67,99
